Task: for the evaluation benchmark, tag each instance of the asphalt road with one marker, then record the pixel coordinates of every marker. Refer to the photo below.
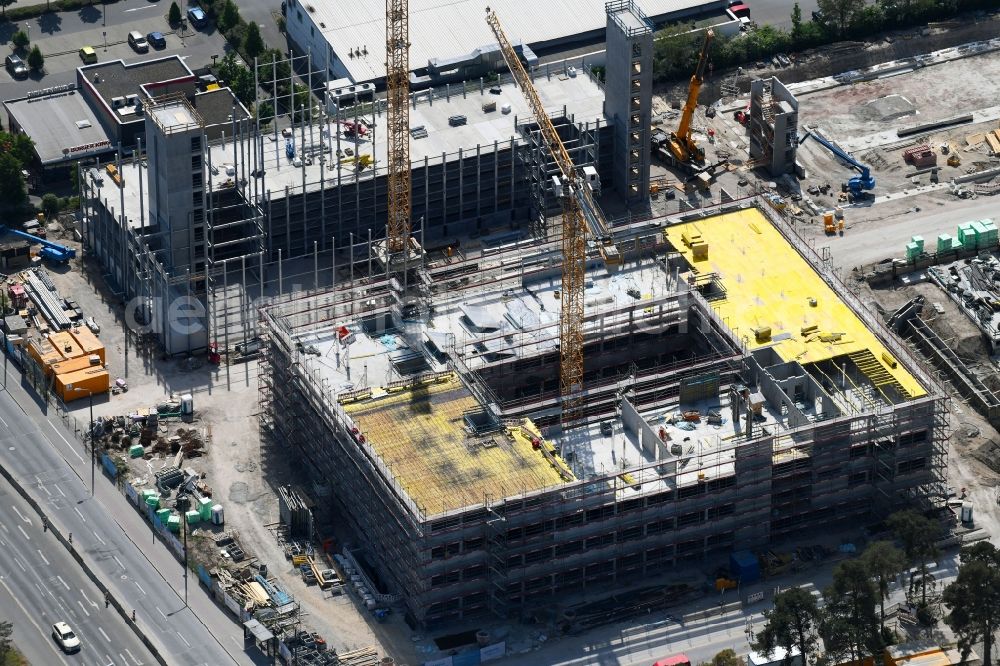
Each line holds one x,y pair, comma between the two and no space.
41,584
116,542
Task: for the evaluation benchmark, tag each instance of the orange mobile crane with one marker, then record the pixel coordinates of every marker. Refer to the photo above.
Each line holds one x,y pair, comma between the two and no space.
579,211
681,150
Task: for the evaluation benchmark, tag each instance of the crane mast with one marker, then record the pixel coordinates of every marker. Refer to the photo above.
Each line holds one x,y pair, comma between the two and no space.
574,234
397,69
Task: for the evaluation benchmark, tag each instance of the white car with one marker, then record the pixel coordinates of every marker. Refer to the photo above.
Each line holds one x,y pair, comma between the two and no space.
92,325
64,636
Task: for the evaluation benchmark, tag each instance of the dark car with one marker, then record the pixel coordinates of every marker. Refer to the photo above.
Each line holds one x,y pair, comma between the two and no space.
156,40
197,16
16,67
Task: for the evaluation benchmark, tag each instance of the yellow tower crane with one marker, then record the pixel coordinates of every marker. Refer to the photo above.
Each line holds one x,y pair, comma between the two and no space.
578,212
397,75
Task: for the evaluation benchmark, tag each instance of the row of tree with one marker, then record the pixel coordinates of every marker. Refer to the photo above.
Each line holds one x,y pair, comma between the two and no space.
676,47
851,619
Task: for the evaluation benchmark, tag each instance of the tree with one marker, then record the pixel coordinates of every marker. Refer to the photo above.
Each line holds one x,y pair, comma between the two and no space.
6,643
174,14
12,192
265,112
973,599
253,44
884,561
237,77
230,16
19,146
20,41
790,624
727,657
4,4
850,623
796,23
36,61
50,205
918,535
840,12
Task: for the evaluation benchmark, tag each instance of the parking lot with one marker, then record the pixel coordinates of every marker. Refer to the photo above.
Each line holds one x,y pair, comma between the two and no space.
61,35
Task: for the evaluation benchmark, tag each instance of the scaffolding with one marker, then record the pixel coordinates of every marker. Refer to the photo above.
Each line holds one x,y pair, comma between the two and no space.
508,545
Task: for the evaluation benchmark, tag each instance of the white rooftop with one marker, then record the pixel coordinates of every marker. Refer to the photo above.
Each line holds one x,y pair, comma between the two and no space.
62,126
581,97
450,28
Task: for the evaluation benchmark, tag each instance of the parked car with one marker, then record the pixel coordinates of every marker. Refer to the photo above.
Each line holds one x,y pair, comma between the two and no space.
88,55
156,40
64,636
197,17
16,67
137,42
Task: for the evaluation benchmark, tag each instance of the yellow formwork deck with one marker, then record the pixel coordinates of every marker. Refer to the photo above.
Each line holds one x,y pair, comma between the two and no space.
420,433
769,285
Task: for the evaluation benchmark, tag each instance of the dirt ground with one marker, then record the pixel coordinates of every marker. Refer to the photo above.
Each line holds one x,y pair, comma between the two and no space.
973,460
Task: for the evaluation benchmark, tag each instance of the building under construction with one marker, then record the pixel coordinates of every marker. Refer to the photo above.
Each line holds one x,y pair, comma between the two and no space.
736,394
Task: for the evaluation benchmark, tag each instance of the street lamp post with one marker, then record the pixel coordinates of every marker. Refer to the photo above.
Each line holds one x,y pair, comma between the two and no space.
90,432
183,504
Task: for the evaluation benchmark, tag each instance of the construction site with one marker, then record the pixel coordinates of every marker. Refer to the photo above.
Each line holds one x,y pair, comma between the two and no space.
534,340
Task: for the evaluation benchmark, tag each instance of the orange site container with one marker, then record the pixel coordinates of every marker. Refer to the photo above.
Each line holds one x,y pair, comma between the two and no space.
94,380
88,342
66,344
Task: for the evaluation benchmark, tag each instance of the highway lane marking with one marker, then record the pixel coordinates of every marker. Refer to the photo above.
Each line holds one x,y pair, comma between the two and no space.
42,556
84,595
103,542
161,612
59,578
137,662
4,528
85,611
119,562
101,629
139,586
4,422
60,490
30,616
77,509
21,515
111,662
68,445
3,543
24,533
183,639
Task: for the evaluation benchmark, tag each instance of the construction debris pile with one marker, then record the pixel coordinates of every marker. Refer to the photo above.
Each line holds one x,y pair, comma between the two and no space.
972,284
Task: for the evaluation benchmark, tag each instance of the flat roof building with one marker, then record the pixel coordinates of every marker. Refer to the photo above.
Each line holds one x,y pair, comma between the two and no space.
350,37
736,395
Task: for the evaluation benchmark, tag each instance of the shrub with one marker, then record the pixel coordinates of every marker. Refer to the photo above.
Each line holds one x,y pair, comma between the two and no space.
36,61
50,205
20,40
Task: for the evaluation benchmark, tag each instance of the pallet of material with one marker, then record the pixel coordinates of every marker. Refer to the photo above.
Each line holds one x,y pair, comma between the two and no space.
994,141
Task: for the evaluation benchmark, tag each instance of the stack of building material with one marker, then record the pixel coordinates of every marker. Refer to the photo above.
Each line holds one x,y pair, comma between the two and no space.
920,156
362,657
295,510
914,248
993,138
